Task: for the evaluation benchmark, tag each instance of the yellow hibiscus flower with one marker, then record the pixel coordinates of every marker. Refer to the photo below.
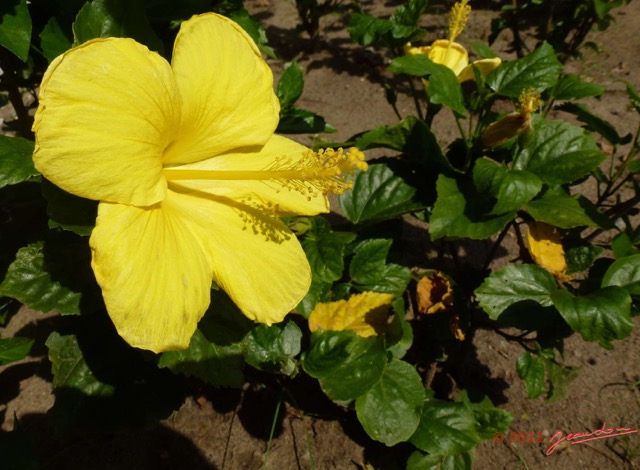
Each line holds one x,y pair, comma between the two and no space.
451,54
189,174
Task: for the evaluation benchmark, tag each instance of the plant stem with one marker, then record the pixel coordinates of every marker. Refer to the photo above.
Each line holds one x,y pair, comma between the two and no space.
495,246
416,101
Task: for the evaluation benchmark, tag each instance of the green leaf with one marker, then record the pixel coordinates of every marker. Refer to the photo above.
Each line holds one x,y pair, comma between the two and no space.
115,18
634,98
290,85
325,250
274,348
564,211
14,349
347,365
444,87
399,336
69,212
300,121
531,370
595,123
318,292
366,29
422,145
624,272
570,87
461,212
482,50
393,280
489,419
516,189
515,286
580,258
622,245
420,461
50,276
539,70
600,316
369,260
446,428
511,188
15,27
394,32
53,40
16,163
219,365
558,152
391,137
69,367
390,411
409,13
377,194
559,379
100,381
215,353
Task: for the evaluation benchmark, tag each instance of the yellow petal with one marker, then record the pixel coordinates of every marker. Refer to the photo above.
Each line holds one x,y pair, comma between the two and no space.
154,275
434,293
448,53
365,313
106,114
415,50
226,90
485,67
278,152
545,247
255,259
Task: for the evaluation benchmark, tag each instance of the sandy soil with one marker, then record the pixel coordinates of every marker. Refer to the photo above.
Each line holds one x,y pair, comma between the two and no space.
230,429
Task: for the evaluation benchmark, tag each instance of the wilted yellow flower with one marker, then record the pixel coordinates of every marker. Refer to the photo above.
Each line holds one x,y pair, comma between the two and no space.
545,247
189,174
513,124
434,293
451,54
365,313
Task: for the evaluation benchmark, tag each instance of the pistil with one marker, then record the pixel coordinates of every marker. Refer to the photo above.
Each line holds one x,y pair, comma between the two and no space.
326,171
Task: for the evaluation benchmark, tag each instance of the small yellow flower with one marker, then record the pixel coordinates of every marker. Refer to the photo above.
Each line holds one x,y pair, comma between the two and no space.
189,174
451,54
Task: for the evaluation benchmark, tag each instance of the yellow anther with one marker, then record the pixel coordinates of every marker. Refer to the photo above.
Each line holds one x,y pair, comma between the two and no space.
458,18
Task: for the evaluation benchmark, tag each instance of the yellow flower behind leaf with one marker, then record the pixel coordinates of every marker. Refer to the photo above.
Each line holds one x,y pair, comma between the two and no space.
451,54
189,174
545,247
365,313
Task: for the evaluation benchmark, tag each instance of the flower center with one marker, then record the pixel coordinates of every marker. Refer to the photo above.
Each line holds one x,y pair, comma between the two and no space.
457,20
323,172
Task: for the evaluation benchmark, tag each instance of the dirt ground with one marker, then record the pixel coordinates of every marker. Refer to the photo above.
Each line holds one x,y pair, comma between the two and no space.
222,429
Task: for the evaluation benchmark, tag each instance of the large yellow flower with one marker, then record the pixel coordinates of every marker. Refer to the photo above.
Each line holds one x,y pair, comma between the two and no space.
189,175
451,54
